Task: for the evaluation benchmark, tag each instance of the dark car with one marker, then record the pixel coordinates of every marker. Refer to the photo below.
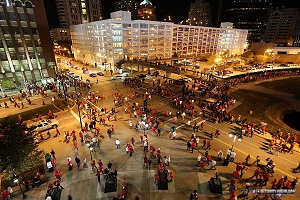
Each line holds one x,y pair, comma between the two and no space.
142,76
179,81
93,75
100,74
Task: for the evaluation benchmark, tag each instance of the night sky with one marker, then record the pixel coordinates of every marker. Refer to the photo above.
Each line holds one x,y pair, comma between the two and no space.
178,9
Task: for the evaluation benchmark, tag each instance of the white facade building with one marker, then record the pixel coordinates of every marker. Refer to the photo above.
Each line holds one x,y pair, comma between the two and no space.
111,40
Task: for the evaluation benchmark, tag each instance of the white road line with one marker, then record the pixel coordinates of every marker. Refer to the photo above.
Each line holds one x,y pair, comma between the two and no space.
76,116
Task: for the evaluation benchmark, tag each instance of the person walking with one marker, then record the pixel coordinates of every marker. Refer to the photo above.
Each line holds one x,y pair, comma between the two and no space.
220,154
198,159
98,173
118,143
247,160
52,152
77,160
188,146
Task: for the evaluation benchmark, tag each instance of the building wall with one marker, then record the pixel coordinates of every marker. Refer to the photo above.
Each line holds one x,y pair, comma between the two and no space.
127,5
73,12
199,13
60,34
281,26
112,40
247,14
26,46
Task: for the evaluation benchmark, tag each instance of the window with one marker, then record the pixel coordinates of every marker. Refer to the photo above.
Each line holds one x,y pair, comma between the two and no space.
31,17
2,15
12,16
22,17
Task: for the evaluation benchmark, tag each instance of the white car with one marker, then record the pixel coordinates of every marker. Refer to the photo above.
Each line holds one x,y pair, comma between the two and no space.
117,77
45,125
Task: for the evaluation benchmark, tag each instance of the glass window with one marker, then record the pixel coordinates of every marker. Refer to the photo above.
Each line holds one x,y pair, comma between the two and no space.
5,30
31,17
22,17
2,17
12,16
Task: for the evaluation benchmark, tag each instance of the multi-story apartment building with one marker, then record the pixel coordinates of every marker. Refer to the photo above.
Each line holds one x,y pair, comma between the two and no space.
199,13
26,50
60,34
281,26
72,12
247,14
119,37
127,5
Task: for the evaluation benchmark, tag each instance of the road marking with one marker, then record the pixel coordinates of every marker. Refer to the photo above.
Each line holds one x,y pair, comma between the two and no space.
76,116
243,152
230,145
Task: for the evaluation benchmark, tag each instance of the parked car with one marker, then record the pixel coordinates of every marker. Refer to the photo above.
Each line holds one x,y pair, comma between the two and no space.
100,73
179,81
117,77
45,125
141,76
93,75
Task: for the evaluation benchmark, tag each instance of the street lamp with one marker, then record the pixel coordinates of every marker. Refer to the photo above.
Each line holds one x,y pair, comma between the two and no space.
77,101
16,180
234,139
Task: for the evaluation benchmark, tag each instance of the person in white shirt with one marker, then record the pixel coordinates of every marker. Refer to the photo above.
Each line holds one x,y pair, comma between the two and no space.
118,143
198,159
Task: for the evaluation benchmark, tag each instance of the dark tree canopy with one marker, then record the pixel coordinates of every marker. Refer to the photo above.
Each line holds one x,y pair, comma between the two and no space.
17,145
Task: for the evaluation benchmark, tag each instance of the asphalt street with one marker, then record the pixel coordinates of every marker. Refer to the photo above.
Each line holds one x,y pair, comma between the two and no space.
82,184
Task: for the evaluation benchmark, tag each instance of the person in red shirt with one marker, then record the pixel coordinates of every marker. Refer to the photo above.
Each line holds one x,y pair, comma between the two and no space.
236,174
171,176
98,175
5,194
156,178
193,146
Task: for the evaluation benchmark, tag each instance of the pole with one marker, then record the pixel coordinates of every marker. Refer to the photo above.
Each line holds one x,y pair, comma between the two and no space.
24,196
91,149
79,114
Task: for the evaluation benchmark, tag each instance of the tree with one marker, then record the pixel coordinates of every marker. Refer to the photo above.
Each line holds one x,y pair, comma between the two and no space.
225,55
211,59
18,151
261,59
8,84
247,57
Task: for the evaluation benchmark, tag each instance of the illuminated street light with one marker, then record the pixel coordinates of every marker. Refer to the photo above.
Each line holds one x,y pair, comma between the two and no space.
16,180
234,139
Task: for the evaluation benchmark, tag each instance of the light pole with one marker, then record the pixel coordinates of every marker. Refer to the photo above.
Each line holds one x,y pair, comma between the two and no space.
25,87
16,180
234,139
77,101
1,89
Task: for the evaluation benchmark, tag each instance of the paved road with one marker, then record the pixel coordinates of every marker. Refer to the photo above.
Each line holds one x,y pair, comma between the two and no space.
83,184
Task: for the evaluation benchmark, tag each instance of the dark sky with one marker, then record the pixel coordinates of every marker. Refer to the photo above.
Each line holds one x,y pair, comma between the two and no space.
178,9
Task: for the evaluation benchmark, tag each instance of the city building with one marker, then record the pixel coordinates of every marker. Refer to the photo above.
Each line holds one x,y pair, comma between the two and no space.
281,26
247,14
146,11
26,49
199,13
72,12
127,5
60,34
111,40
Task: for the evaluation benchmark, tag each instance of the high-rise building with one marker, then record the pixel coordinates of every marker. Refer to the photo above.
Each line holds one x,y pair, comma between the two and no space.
72,12
127,5
247,14
26,49
111,40
199,13
146,11
281,26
